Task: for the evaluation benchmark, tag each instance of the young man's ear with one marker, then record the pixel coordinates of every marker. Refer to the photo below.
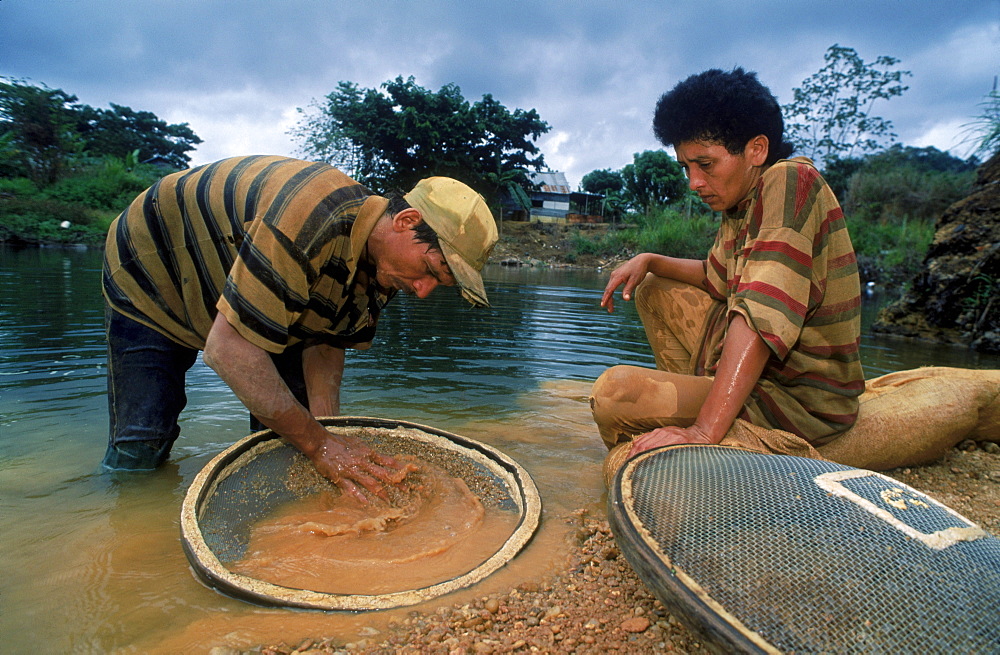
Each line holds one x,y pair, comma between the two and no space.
407,219
757,150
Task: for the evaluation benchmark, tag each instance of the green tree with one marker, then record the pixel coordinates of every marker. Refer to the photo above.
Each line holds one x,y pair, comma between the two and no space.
838,172
43,130
39,127
390,138
610,184
653,179
121,130
830,115
602,182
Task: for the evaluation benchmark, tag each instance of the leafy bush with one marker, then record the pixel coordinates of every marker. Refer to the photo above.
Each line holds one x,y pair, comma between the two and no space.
40,220
904,193
898,247
18,186
610,243
107,186
669,232
903,183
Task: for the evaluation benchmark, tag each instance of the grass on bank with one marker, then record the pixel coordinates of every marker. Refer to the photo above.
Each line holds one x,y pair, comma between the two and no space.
889,249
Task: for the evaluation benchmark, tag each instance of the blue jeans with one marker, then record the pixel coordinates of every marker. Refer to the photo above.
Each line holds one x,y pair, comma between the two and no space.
146,373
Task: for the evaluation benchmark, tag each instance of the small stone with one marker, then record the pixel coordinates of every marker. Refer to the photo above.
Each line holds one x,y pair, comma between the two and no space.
636,624
991,447
968,444
492,605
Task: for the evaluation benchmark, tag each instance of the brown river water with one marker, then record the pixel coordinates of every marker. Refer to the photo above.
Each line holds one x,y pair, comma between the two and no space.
93,561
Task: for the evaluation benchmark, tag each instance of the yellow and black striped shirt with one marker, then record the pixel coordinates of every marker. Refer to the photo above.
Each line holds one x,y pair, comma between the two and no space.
275,244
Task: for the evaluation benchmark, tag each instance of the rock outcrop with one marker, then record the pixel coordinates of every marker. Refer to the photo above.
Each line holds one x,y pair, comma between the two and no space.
955,298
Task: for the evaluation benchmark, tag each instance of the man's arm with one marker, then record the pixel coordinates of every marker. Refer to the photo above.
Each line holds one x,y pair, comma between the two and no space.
744,355
250,373
632,272
323,370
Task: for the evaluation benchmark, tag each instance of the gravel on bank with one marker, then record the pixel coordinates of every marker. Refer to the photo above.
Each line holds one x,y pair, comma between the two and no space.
596,604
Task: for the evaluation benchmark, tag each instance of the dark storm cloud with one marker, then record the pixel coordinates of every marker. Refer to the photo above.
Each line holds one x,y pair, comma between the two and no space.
236,71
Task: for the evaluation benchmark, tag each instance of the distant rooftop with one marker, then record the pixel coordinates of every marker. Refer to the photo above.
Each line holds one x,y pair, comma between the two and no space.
551,181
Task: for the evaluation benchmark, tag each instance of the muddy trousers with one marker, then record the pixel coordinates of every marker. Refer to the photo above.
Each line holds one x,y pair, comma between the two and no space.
146,380
630,400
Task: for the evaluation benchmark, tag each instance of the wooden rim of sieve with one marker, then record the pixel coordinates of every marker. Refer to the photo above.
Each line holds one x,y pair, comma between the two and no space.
215,574
678,591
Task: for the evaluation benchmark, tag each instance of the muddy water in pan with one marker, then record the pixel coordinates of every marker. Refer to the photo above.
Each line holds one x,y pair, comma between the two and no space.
93,561
430,530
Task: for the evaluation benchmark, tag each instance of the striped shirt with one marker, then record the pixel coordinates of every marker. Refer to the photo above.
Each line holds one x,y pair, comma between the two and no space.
275,244
783,259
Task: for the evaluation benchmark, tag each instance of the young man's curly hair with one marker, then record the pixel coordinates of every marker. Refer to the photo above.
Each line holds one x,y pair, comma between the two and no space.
725,107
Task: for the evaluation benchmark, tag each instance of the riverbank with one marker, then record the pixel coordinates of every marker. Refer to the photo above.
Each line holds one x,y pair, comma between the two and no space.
595,603
554,245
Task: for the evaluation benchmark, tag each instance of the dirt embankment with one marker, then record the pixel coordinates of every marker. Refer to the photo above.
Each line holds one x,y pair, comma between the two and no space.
955,297
551,244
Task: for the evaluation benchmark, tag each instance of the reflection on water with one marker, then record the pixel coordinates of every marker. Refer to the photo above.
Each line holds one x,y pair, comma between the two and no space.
93,561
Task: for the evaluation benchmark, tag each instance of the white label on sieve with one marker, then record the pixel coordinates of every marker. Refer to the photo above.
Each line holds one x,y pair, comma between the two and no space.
900,497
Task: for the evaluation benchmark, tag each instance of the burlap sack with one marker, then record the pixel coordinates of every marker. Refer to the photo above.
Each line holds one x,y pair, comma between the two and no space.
915,417
905,418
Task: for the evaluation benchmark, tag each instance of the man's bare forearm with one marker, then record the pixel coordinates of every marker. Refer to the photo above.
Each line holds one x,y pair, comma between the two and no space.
250,373
689,271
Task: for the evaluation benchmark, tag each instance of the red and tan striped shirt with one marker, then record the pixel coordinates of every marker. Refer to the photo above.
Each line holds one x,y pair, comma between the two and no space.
784,260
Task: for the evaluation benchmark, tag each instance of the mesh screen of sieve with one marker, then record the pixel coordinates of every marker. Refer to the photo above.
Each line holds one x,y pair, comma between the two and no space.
764,553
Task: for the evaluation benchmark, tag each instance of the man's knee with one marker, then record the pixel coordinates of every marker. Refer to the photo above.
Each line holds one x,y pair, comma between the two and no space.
610,390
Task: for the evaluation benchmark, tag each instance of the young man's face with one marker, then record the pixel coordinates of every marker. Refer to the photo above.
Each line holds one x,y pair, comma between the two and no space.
409,266
719,177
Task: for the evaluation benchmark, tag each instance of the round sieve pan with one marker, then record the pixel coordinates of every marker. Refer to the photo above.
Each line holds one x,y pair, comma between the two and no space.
250,479
779,554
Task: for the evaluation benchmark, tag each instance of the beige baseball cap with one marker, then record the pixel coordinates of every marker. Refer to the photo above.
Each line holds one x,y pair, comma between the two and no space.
465,228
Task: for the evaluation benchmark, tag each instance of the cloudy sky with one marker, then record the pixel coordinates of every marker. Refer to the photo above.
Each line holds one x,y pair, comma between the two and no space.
238,70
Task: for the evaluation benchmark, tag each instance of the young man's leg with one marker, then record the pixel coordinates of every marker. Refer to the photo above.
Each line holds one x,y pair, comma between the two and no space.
631,400
145,393
677,318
